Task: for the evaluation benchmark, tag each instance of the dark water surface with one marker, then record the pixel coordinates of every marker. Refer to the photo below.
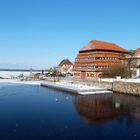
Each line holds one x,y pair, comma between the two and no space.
35,113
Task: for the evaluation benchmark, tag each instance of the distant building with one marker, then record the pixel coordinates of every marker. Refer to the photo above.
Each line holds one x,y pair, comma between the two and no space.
137,56
65,66
135,60
97,57
137,53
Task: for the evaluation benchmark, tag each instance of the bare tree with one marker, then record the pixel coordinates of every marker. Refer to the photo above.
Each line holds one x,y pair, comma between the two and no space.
126,69
115,70
131,63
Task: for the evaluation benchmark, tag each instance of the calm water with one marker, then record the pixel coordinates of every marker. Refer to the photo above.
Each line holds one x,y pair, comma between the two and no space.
36,113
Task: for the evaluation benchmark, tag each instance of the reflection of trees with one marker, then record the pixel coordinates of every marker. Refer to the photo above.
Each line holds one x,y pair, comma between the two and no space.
130,107
97,109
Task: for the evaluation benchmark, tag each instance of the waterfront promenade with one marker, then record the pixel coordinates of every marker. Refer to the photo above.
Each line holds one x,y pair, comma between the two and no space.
124,86
76,88
64,86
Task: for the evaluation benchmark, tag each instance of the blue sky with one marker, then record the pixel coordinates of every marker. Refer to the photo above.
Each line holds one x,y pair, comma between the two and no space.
40,33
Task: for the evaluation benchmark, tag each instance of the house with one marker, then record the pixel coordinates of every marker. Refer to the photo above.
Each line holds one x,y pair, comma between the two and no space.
134,60
65,66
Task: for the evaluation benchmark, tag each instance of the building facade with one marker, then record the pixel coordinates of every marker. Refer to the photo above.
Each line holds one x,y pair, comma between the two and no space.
97,57
65,66
134,60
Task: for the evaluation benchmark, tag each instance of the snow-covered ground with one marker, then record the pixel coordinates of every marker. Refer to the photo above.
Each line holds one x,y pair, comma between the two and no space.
9,74
121,80
76,88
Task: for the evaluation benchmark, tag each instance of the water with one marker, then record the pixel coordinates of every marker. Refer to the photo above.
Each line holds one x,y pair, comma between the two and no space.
30,112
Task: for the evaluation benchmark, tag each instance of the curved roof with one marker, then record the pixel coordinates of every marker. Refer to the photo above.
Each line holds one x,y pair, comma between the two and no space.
101,45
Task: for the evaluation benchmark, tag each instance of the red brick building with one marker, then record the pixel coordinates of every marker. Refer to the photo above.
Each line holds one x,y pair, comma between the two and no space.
96,57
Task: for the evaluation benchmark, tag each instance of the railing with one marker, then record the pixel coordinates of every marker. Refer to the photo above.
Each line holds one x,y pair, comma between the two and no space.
119,80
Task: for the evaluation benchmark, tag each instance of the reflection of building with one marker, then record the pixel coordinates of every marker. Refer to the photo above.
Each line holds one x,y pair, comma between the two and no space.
97,108
136,114
104,108
96,57
65,66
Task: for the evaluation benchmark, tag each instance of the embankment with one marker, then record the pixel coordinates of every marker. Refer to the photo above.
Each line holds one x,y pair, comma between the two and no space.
124,87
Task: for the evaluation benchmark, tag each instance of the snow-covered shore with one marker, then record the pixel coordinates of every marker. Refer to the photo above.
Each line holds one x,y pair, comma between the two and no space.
76,88
16,81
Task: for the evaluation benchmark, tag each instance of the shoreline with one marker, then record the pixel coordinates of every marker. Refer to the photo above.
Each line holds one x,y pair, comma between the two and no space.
76,88
16,81
95,87
63,86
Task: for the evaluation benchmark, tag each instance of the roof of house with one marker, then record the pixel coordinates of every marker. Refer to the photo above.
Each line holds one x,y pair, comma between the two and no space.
101,45
65,62
137,51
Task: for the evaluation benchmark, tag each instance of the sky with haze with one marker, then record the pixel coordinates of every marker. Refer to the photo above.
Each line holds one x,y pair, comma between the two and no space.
40,33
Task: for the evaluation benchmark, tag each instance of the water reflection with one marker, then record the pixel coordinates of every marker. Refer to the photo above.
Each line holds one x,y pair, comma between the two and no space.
41,113
105,108
97,108
130,105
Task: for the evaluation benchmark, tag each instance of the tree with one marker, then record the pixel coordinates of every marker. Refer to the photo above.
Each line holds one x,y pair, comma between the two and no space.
51,70
131,63
124,70
115,70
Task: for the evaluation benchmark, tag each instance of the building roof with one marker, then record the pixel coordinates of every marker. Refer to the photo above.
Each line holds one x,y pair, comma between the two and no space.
137,52
101,45
134,55
65,62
